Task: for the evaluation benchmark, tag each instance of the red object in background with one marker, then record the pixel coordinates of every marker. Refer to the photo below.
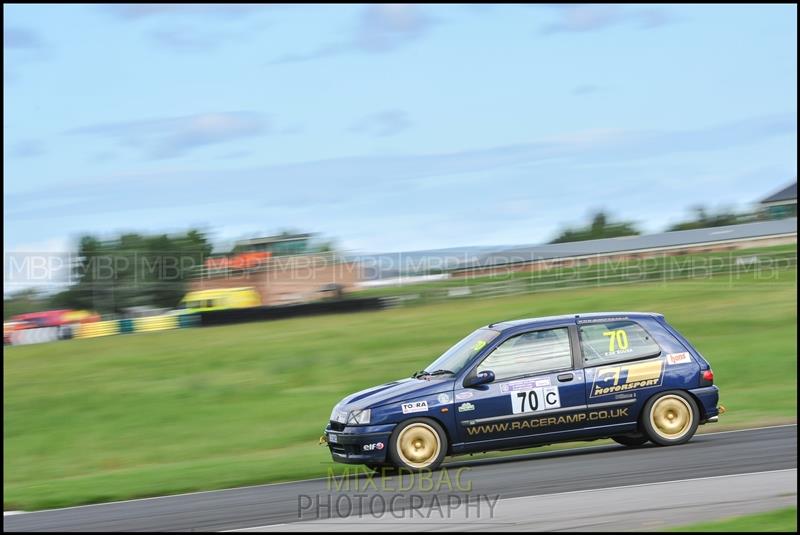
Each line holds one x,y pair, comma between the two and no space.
53,318
48,318
238,261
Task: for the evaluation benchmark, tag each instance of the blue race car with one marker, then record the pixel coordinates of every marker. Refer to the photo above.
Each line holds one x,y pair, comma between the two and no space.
629,376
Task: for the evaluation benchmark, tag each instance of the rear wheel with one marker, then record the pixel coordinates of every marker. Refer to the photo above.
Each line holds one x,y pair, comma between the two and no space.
670,418
632,441
418,444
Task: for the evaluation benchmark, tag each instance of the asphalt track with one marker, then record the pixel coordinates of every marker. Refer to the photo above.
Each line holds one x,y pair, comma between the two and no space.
534,491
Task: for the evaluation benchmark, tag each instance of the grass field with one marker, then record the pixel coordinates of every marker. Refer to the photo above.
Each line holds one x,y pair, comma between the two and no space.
147,414
782,520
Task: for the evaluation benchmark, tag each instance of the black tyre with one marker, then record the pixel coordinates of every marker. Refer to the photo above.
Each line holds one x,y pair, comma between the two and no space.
632,441
418,444
670,418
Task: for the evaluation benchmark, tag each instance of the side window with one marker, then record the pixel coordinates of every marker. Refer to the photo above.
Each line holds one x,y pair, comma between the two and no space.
613,341
529,353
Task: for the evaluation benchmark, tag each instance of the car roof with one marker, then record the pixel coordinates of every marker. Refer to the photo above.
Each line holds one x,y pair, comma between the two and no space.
547,320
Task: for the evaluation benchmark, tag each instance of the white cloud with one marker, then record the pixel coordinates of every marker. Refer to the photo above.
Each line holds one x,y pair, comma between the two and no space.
174,136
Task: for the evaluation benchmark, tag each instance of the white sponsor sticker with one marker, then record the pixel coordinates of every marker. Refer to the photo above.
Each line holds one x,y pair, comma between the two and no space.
535,400
466,407
443,398
464,395
332,439
524,384
679,358
415,406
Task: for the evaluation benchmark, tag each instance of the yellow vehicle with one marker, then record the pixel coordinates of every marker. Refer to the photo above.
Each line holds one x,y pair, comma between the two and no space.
219,299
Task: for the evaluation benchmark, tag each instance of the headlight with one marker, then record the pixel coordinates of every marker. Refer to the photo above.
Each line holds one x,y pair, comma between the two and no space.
338,415
358,417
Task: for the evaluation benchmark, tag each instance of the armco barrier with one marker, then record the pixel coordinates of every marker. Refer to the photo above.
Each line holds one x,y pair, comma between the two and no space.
103,328
98,328
188,320
155,323
240,315
216,317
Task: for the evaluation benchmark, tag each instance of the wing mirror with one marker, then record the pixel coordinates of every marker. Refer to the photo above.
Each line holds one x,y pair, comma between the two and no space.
477,379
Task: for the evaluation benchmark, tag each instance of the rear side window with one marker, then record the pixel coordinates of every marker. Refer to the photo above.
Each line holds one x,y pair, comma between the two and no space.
612,341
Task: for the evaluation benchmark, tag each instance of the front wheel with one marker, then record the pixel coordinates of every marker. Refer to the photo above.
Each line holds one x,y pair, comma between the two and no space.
670,418
418,444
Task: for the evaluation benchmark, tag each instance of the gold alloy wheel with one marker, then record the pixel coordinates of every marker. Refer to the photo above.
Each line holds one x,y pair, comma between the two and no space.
418,445
671,417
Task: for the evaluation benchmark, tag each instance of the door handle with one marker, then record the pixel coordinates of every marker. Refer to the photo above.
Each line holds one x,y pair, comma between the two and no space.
564,377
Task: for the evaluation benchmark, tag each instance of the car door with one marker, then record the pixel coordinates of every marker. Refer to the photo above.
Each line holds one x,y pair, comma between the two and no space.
536,391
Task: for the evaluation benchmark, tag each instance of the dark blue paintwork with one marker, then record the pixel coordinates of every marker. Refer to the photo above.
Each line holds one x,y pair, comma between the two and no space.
480,418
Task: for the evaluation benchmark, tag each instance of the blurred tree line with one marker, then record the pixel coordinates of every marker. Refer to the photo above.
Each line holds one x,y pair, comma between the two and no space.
130,270
702,218
600,227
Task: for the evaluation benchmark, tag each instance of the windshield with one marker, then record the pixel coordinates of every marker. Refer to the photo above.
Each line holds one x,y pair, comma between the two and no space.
455,358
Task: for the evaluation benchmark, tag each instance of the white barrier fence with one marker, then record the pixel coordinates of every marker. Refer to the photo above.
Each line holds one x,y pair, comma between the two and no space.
733,268
36,336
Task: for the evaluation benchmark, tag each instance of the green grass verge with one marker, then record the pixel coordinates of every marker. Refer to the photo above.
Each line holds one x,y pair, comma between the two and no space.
155,413
780,520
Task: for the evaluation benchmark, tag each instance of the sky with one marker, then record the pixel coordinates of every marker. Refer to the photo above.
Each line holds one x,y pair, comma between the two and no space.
389,127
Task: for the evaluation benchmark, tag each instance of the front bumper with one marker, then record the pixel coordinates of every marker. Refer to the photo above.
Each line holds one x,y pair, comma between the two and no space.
359,444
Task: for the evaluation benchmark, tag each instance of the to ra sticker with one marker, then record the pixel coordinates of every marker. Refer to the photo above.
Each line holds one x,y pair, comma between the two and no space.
414,406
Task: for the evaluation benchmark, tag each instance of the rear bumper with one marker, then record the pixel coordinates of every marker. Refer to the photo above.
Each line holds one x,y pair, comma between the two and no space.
359,444
709,399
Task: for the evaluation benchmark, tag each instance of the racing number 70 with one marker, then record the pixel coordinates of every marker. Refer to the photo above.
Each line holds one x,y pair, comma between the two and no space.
532,399
619,336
